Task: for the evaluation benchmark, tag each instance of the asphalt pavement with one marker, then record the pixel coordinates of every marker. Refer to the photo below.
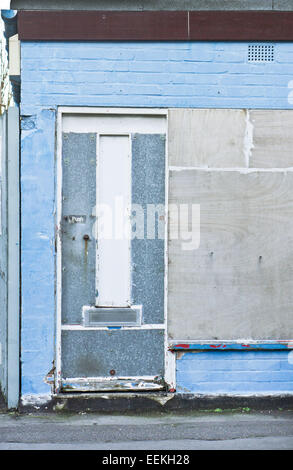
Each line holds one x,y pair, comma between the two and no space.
212,430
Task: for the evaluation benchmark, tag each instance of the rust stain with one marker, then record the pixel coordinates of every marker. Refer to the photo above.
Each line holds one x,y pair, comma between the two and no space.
180,354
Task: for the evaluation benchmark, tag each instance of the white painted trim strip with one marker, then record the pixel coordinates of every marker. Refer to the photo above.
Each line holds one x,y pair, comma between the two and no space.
159,326
170,357
239,169
59,252
108,379
94,110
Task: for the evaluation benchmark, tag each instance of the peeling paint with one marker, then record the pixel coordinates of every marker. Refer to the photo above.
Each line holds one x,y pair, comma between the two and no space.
42,236
113,384
60,405
50,377
248,139
162,400
35,400
28,122
237,344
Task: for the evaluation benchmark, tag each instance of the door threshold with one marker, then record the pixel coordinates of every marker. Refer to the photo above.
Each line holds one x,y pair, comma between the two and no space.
119,384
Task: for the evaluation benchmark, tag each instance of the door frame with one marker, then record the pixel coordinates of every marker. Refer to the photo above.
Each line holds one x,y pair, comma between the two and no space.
169,358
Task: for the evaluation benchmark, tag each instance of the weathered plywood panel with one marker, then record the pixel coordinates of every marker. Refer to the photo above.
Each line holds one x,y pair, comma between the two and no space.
272,138
207,137
239,283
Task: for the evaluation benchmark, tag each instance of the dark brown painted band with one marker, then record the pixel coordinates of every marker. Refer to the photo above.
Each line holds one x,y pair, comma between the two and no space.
103,25
241,26
155,25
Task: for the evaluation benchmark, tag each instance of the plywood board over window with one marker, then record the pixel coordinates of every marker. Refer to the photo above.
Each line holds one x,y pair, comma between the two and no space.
237,165
207,137
272,138
239,283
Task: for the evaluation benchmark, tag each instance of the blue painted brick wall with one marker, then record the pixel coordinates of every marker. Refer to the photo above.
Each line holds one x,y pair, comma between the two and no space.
235,372
37,249
169,74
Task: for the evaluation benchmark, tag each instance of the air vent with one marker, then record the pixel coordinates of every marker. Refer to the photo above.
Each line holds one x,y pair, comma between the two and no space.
261,52
112,316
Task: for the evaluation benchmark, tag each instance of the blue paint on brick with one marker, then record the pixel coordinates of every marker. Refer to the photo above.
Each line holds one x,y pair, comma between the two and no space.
171,74
235,372
37,257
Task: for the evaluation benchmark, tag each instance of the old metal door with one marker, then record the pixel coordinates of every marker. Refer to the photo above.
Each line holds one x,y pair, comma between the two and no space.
111,277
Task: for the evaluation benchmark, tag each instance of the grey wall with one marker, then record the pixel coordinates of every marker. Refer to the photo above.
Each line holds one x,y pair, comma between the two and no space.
13,258
153,4
238,284
3,258
9,257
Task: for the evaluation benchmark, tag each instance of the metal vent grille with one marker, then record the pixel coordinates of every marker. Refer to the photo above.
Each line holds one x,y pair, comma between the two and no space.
261,52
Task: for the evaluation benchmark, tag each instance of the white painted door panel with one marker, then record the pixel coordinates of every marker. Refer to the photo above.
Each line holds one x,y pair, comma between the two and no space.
113,221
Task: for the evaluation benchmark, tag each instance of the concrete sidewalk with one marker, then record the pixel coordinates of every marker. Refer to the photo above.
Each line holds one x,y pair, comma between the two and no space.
195,430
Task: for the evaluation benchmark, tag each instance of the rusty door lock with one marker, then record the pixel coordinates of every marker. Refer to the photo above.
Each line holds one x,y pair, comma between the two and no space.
86,240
